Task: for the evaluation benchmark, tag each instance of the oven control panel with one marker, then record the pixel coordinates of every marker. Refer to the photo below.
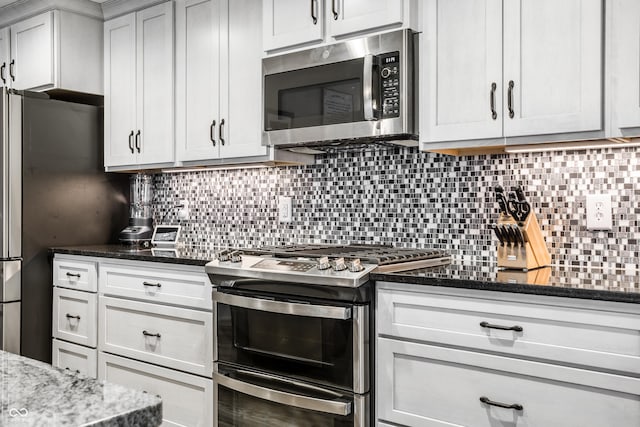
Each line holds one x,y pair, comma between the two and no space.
285,265
390,84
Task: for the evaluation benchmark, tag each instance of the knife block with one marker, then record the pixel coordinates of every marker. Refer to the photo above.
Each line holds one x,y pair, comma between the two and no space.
533,254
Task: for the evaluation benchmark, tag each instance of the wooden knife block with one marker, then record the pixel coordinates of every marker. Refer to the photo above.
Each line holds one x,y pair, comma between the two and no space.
533,254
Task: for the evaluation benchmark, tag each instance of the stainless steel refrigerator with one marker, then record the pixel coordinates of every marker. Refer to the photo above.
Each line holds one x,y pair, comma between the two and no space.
54,192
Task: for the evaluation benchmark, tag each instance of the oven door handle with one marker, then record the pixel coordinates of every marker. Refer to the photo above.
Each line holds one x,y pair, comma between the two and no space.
336,407
367,88
281,307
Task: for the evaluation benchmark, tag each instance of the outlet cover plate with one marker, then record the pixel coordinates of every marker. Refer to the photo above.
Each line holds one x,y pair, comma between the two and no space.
285,210
599,215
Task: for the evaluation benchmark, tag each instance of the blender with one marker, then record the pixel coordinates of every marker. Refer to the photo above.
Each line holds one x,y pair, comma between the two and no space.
140,228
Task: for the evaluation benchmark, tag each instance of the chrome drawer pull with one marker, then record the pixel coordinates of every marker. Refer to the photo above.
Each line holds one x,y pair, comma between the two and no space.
71,316
73,275
515,406
156,285
149,334
502,328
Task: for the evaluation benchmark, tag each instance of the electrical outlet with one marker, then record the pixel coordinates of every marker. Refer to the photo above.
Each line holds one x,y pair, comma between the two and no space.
183,213
284,209
599,215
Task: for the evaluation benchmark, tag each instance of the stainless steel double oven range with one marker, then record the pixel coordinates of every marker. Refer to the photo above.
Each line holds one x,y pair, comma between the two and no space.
294,333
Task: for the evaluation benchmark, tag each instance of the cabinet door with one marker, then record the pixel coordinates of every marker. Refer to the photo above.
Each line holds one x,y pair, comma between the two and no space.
461,70
553,56
119,90
291,22
242,71
32,47
626,62
5,79
350,16
197,79
154,84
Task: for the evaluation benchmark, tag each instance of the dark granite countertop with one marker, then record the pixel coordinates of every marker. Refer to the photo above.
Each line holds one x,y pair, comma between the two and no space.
571,282
183,255
37,394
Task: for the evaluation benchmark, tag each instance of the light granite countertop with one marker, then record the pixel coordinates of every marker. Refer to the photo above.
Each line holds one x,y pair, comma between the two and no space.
33,393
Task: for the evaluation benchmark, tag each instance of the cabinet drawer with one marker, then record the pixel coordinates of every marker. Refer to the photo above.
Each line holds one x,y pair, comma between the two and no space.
175,337
157,284
423,385
75,357
75,274
74,316
588,337
187,400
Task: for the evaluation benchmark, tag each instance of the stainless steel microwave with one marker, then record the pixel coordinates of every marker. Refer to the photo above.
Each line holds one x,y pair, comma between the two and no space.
358,90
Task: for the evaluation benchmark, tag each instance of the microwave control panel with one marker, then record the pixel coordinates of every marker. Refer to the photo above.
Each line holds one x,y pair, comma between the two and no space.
389,64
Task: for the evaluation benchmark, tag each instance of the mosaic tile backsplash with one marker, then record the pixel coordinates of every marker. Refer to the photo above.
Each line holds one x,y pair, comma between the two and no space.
406,198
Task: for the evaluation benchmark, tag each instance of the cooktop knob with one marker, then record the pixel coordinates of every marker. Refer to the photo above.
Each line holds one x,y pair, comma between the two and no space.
339,265
223,255
236,256
355,266
323,263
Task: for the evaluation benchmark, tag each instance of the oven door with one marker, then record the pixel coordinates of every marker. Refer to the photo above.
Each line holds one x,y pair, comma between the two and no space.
322,343
251,399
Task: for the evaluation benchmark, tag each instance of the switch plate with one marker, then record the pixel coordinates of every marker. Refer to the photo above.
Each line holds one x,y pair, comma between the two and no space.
599,215
183,213
285,213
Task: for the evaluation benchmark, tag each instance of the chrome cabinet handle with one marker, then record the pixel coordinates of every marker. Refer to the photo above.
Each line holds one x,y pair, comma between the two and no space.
157,285
367,87
131,142
212,130
281,307
336,407
313,12
510,99
138,140
221,132
71,316
73,275
488,325
492,101
516,406
11,65
149,334
334,10
2,68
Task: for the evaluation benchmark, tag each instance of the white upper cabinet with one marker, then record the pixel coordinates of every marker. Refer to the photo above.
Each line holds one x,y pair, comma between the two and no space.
298,23
292,22
495,69
219,86
52,50
350,16
139,99
553,56
461,70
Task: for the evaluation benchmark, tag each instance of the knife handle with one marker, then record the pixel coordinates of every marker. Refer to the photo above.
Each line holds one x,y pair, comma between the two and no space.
519,193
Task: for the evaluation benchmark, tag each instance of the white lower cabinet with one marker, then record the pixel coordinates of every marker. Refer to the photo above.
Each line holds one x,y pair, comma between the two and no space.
76,358
445,358
187,400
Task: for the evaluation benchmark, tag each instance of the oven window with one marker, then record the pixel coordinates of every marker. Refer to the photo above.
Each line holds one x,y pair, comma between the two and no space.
316,96
308,348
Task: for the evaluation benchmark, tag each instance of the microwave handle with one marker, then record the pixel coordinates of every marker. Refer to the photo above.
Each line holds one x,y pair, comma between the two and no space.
290,399
281,307
367,88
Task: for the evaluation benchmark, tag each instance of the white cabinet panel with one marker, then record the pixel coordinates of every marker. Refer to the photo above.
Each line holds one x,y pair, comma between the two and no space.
350,16
75,358
187,400
461,70
197,79
5,58
553,56
74,316
32,48
119,90
423,385
292,22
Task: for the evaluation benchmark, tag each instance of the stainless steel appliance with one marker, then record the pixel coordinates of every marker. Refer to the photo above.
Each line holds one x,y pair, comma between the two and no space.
53,192
294,333
359,90
140,228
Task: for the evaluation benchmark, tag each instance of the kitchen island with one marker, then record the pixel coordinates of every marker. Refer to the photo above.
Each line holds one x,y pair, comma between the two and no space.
36,394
